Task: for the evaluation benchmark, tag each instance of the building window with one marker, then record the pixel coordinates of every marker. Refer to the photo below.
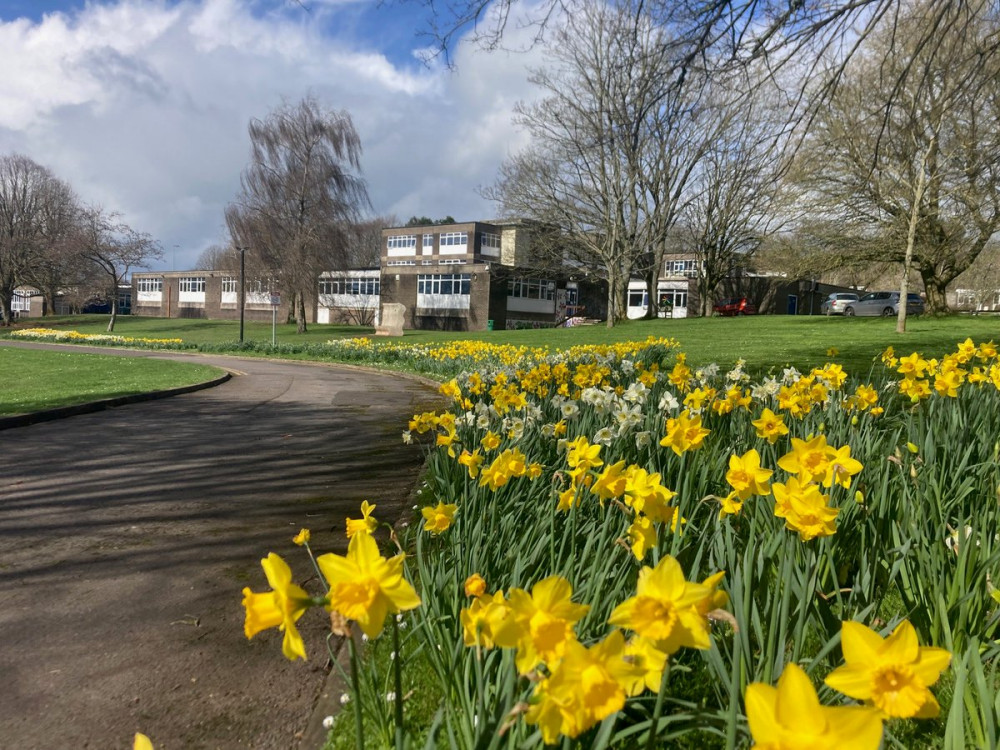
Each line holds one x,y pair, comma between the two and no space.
673,298
428,241
454,239
572,297
21,301
367,286
488,240
401,241
687,268
401,263
229,284
531,288
191,284
451,261
443,283
637,298
149,285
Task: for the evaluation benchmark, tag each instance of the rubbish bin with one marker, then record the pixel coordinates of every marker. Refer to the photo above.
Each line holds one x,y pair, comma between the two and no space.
489,325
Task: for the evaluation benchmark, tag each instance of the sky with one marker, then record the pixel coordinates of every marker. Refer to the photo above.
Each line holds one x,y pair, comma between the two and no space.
142,106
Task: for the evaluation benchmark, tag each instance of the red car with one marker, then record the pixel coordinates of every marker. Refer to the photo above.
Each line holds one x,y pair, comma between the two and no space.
735,306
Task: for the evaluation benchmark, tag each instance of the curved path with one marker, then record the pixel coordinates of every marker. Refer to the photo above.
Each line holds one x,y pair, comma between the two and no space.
126,536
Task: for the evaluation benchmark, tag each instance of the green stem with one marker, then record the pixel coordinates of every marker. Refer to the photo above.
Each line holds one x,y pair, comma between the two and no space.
658,708
397,668
356,698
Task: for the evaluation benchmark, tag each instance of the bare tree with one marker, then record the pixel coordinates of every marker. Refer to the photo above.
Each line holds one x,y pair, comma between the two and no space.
218,258
736,188
365,241
918,181
613,143
55,265
299,196
30,196
114,248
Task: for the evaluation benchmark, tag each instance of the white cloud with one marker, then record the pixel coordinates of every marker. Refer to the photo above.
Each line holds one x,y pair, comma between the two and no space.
142,107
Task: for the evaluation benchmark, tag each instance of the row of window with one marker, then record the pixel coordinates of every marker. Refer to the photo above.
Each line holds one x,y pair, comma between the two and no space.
191,284
443,283
531,288
149,285
367,285
489,241
688,268
401,241
668,298
452,239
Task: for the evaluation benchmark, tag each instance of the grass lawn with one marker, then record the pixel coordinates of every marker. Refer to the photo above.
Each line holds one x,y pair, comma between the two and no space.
37,380
763,341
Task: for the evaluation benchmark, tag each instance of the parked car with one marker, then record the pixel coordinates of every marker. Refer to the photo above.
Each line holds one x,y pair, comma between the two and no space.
885,304
735,306
837,302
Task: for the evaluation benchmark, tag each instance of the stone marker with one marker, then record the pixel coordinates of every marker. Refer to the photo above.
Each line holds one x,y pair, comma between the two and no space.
392,319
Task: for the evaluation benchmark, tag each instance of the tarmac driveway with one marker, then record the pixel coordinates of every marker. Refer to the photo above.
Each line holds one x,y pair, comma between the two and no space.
127,535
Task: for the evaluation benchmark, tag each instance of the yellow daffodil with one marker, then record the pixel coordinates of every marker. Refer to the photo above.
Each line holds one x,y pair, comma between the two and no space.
475,585
646,495
770,426
278,608
366,587
684,433
790,717
438,518
893,674
611,481
641,536
542,622
364,525
842,467
665,608
302,537
650,660
472,461
481,618
809,459
804,509
141,742
490,442
584,688
746,476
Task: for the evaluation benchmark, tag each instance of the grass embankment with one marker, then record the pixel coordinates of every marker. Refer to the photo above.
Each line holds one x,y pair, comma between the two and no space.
765,342
38,380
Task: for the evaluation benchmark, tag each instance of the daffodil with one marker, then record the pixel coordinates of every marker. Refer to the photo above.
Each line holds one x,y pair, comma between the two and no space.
141,742
641,536
364,525
893,674
809,459
542,622
684,433
366,587
746,476
302,537
438,518
585,687
475,585
278,608
665,608
790,717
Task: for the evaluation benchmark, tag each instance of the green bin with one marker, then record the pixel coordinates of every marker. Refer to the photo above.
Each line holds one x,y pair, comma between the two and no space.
489,325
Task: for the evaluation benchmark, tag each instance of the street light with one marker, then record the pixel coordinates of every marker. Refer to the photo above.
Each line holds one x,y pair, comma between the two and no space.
243,299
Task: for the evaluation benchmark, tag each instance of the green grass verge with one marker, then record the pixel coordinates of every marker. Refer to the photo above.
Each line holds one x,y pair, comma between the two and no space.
763,341
37,380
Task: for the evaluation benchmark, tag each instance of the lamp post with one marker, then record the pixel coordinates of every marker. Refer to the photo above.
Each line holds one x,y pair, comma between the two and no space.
243,299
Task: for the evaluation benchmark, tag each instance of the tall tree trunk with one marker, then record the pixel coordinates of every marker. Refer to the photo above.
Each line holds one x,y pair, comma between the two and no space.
911,235
300,312
936,288
114,311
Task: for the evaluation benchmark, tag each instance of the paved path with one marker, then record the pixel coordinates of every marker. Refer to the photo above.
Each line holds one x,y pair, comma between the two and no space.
126,536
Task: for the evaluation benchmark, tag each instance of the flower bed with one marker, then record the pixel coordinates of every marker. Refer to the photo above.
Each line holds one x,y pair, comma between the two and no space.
620,550
52,334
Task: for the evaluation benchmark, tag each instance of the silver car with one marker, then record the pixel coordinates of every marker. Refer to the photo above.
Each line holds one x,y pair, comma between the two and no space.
837,302
885,304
